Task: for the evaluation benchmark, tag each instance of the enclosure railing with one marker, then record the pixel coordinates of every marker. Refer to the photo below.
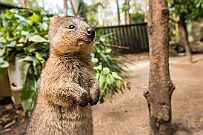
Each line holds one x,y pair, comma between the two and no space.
127,38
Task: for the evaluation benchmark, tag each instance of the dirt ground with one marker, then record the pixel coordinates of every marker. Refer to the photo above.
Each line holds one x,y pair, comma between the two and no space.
128,112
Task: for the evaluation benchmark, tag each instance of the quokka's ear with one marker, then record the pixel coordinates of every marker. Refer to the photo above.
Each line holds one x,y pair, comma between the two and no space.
54,20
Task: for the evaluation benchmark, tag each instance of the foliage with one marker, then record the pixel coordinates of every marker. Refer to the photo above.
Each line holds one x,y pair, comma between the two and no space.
138,14
125,6
187,9
31,4
137,17
108,68
24,33
88,12
92,13
82,9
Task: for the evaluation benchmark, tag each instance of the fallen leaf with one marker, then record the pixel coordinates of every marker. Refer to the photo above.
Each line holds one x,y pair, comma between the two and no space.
9,106
6,130
10,124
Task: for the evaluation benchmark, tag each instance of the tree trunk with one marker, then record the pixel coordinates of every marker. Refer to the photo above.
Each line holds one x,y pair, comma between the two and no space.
160,90
79,8
127,13
184,35
23,3
177,31
118,12
75,6
65,7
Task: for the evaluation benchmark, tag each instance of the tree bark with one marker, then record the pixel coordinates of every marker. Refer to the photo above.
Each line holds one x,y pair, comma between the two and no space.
75,6
65,7
160,90
127,13
186,43
118,12
177,31
23,3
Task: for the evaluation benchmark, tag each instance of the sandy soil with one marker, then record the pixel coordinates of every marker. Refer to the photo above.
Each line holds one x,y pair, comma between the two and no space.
128,112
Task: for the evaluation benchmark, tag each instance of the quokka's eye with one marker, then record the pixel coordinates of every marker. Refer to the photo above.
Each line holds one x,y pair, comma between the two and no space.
71,26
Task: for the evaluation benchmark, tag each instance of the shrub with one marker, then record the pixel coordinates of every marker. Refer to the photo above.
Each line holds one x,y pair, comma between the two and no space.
24,33
108,68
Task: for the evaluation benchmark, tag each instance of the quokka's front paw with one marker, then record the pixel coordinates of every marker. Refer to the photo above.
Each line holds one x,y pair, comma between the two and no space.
84,99
94,97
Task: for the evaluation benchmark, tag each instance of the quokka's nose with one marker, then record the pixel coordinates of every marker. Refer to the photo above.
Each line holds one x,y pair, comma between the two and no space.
90,33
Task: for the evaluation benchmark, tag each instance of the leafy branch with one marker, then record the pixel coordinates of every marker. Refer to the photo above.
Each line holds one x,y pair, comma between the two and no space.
24,33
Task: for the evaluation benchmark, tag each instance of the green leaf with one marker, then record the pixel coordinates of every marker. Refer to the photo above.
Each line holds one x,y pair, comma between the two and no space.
108,50
30,49
2,51
110,79
99,67
25,33
34,18
28,104
12,44
44,26
2,40
4,64
106,70
21,18
119,84
26,66
95,60
39,56
22,40
19,45
28,58
102,82
115,75
36,66
37,39
97,76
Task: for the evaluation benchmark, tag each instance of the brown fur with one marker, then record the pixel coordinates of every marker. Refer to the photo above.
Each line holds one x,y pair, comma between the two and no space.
67,83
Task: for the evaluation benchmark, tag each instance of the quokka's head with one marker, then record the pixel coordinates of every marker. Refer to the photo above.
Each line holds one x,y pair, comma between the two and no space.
71,35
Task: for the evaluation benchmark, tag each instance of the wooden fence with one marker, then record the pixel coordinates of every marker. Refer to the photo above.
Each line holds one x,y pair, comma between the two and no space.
127,38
